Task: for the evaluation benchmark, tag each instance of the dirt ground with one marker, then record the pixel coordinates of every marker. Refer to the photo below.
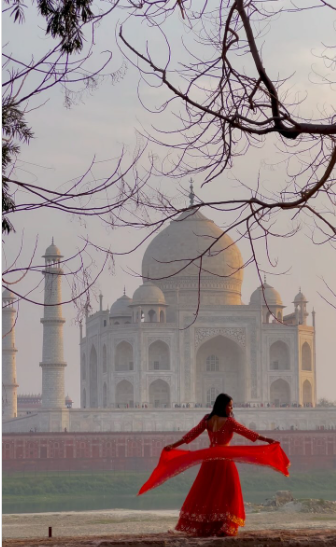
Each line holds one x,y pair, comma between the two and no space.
116,522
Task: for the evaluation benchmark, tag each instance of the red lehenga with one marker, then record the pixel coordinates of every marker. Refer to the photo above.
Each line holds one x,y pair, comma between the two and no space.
214,505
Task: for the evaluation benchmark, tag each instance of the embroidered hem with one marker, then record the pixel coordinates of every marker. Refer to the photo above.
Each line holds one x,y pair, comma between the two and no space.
207,529
211,517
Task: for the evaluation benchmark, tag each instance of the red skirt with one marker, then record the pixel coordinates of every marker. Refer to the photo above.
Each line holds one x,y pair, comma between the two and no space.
214,505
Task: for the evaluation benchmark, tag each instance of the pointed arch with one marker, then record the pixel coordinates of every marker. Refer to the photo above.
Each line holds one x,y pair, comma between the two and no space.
124,394
159,356
93,379
220,364
104,359
306,357
279,356
124,357
83,368
152,316
104,395
307,393
280,393
159,394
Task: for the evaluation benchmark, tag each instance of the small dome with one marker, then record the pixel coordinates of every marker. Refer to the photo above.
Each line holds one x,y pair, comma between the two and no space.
120,308
150,294
270,295
300,298
8,295
52,251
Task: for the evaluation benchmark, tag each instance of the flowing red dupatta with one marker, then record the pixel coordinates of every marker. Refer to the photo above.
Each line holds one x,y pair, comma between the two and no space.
172,462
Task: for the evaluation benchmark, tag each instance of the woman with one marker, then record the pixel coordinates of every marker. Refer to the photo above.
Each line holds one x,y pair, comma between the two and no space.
214,505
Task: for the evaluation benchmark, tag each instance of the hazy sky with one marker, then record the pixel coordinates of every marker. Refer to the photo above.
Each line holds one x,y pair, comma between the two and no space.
104,121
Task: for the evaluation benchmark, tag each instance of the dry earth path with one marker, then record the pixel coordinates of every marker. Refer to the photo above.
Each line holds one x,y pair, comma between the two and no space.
149,529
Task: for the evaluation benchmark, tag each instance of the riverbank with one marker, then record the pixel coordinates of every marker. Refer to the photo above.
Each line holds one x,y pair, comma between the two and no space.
149,528
86,491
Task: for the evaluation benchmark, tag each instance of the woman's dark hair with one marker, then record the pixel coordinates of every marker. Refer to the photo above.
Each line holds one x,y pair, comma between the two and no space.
219,408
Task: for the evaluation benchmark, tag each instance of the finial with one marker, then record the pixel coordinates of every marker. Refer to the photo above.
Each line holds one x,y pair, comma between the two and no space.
264,279
191,195
52,240
124,290
300,289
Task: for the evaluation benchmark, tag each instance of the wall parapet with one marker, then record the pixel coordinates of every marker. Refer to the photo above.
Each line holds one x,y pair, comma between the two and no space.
140,450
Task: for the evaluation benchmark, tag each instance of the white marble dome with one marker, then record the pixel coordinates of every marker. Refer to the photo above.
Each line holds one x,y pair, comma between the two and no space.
186,238
120,308
270,295
148,294
52,251
300,298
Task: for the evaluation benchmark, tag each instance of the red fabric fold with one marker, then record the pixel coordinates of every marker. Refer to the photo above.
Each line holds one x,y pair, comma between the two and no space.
175,461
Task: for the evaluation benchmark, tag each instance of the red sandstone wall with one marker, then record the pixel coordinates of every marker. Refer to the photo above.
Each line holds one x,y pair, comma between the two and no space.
307,450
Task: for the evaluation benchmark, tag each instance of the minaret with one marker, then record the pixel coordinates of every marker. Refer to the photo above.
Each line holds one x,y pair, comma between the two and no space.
53,365
9,385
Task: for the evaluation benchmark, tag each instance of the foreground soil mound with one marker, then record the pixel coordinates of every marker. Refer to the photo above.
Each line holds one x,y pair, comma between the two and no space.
285,502
262,538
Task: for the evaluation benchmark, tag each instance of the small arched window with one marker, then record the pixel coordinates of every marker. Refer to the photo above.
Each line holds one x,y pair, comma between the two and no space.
124,357
306,357
83,367
104,395
152,316
279,356
159,356
104,359
212,363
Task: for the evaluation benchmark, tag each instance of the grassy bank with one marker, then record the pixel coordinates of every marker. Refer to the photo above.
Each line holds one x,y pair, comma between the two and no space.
65,491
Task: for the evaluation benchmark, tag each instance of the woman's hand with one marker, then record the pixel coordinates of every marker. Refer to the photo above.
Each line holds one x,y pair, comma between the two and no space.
266,439
174,445
269,441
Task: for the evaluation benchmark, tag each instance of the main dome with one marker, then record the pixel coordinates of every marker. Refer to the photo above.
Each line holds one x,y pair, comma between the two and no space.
165,261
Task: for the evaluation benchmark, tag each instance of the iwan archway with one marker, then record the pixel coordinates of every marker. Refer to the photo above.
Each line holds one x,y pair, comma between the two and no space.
220,368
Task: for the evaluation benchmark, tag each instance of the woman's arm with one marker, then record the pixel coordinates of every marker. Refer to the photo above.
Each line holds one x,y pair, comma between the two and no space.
190,436
248,433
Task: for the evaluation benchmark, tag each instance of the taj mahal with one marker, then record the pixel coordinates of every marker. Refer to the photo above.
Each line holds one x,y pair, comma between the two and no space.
157,359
